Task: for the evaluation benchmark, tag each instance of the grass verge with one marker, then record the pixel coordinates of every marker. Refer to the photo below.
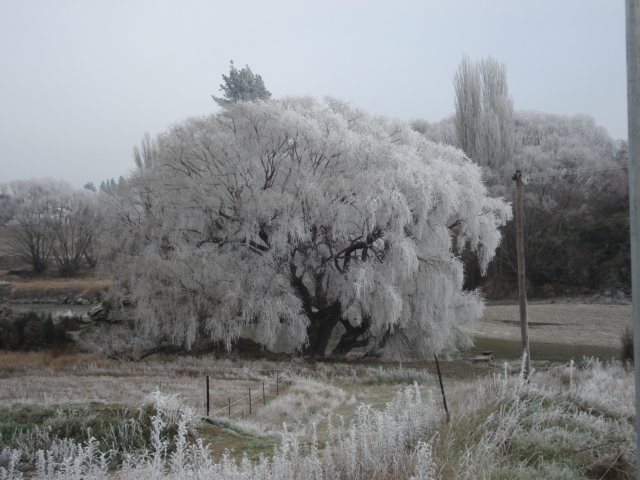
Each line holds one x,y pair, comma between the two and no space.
570,422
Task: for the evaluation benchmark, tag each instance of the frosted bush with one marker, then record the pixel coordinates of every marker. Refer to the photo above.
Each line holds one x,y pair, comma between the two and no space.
380,444
425,465
12,459
305,403
376,445
549,427
171,409
605,387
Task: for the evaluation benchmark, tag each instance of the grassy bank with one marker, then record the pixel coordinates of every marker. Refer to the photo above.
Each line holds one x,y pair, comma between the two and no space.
24,288
334,421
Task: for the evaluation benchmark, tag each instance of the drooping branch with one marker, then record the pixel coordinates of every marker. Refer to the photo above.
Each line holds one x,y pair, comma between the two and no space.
301,290
365,246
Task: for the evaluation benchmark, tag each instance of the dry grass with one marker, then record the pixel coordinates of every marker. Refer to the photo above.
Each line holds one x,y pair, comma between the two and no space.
568,422
16,363
46,378
569,323
51,288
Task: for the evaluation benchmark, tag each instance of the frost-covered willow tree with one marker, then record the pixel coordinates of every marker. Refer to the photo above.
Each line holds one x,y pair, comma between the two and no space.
301,215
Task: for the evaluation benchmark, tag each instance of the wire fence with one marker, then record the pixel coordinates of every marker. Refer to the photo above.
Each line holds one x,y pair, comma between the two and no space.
244,405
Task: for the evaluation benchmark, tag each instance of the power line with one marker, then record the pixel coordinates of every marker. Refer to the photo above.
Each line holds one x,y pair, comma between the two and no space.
612,165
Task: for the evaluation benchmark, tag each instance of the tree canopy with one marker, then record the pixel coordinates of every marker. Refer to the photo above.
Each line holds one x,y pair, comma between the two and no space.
483,119
241,86
51,221
576,200
300,215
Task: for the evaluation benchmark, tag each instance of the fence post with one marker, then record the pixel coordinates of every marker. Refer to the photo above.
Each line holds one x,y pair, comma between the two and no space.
444,398
264,398
249,401
207,395
229,407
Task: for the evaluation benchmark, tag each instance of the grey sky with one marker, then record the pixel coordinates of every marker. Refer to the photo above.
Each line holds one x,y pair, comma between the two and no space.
81,81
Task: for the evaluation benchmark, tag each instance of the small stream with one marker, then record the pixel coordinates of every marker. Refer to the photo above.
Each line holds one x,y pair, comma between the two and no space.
503,350
508,350
53,308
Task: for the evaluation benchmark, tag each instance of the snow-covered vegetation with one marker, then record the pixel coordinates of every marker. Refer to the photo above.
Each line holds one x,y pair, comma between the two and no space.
574,421
304,218
49,222
576,198
299,215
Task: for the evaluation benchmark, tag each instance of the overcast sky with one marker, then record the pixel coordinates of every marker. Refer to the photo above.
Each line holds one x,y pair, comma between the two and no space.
81,81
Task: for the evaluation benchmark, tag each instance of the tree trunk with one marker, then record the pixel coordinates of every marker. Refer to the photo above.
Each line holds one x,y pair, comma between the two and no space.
321,325
351,338
376,350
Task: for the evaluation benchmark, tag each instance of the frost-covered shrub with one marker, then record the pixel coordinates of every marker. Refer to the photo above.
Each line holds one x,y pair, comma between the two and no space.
382,444
377,444
172,410
304,403
119,342
506,427
117,434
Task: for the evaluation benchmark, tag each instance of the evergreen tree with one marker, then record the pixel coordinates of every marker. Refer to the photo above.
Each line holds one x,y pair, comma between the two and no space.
241,86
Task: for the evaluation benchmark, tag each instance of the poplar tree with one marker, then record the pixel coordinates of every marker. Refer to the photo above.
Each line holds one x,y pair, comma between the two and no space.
484,121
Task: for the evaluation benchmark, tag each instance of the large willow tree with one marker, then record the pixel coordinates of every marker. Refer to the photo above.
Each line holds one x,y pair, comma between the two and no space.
300,215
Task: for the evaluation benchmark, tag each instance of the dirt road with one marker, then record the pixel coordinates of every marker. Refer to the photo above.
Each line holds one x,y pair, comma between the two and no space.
565,323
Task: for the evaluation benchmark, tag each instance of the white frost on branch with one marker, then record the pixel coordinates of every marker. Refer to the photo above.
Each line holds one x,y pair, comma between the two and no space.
271,212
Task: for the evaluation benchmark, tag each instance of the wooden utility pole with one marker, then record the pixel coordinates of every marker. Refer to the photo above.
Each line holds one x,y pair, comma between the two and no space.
633,110
522,286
